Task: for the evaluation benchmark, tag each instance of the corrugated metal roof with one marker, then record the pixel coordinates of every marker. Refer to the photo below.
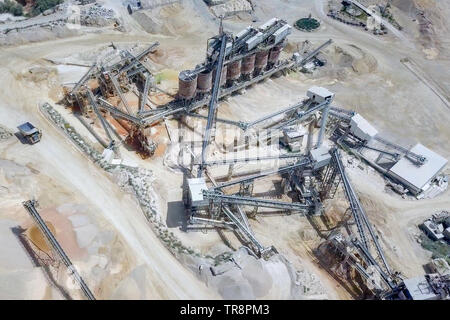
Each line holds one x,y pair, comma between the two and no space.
359,123
419,176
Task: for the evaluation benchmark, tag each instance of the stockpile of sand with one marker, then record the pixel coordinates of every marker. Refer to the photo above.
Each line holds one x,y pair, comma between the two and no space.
345,60
245,277
171,19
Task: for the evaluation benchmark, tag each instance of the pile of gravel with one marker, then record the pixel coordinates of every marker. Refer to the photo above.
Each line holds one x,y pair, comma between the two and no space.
5,133
97,16
231,7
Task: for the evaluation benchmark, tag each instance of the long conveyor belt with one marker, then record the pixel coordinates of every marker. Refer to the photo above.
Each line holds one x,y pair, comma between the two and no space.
213,102
117,113
301,163
264,203
262,158
358,212
30,206
99,116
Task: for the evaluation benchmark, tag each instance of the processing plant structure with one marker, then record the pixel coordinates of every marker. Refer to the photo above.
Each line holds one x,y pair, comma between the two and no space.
245,59
313,133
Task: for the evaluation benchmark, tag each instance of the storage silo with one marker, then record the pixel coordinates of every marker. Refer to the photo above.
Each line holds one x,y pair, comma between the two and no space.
234,71
261,61
187,84
274,55
204,81
248,66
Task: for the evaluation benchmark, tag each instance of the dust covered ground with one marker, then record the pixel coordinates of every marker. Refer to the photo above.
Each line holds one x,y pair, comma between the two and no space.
103,229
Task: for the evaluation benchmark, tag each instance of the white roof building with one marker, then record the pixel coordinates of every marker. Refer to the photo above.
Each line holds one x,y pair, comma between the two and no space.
418,178
319,94
361,128
196,187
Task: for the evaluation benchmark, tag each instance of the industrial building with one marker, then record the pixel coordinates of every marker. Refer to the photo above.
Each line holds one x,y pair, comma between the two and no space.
411,170
233,63
361,128
418,178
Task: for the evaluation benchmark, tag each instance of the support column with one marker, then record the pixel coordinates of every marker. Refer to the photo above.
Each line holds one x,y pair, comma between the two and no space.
323,124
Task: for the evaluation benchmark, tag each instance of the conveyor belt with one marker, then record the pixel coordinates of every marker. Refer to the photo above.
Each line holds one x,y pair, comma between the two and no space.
301,163
119,114
136,60
272,115
315,52
250,201
213,102
304,114
372,261
263,158
147,51
216,223
131,73
119,92
144,96
239,124
351,197
84,78
99,116
243,229
358,212
30,206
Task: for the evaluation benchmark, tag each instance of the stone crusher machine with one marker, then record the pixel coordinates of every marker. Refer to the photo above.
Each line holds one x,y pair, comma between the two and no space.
93,92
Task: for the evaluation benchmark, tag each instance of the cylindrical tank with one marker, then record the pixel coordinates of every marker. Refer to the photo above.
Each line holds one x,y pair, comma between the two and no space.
274,55
234,70
261,60
248,64
204,81
187,84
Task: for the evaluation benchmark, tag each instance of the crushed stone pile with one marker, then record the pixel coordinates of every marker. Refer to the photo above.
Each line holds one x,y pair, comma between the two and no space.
242,276
97,16
4,133
231,7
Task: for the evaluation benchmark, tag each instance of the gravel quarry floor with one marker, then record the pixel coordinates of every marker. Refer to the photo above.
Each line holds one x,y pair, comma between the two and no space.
107,235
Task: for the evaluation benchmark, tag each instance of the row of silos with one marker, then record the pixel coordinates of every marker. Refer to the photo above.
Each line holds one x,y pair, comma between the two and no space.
191,83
